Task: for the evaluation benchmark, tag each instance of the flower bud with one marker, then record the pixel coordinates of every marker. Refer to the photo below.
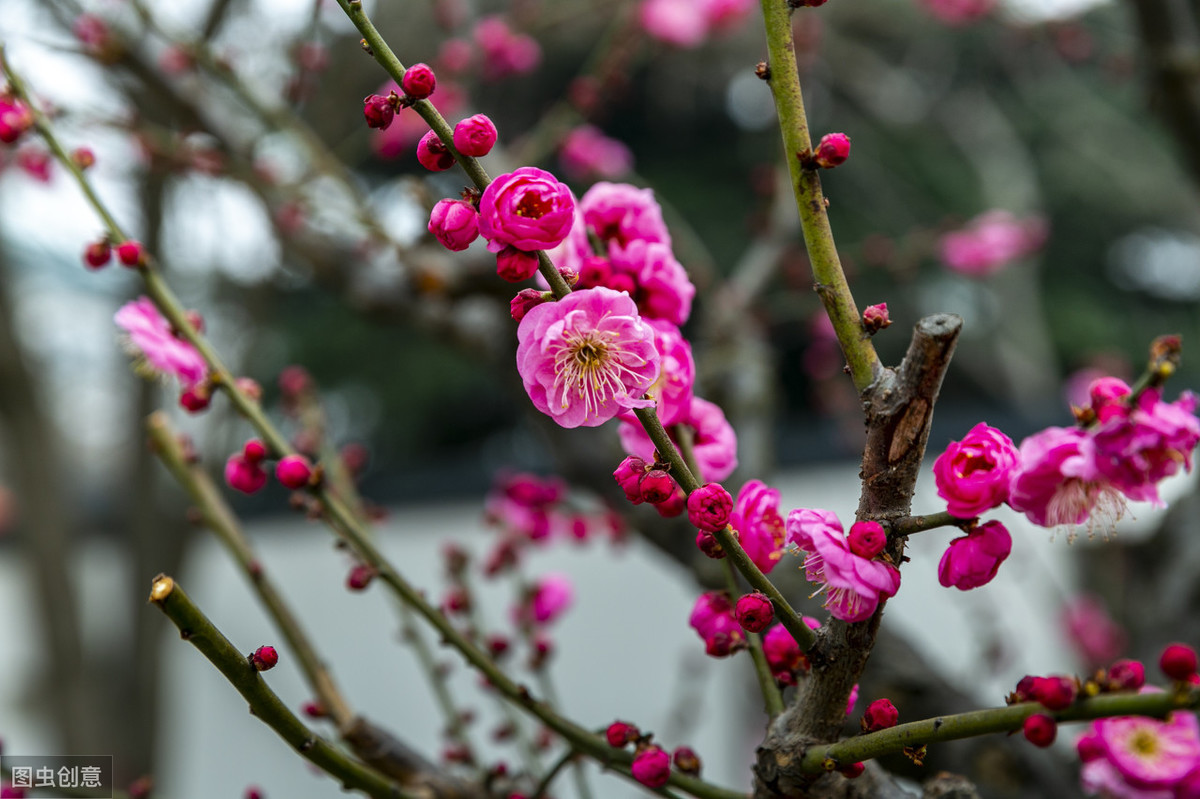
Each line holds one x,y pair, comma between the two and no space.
1040,729
131,253
293,471
754,612
629,476
378,111
854,770
709,507
515,265
596,270
687,761
880,715
360,576
475,136
867,539
418,81
83,157
97,254
433,154
620,733
313,709
1178,662
195,398
707,543
1126,675
673,505
264,658
526,300
497,645
656,486
254,451
243,475
15,119
833,150
651,766
875,318
454,223
1055,692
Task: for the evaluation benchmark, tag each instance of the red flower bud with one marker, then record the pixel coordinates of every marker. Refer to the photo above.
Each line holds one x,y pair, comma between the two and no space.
754,612
867,539
264,658
1040,730
418,81
833,150
880,715
1178,662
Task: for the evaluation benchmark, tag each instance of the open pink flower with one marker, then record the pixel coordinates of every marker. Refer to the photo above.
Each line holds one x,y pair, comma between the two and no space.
150,334
992,240
623,213
663,290
714,442
758,524
854,585
972,475
1058,481
1136,756
505,52
974,559
528,209
587,153
1139,447
586,357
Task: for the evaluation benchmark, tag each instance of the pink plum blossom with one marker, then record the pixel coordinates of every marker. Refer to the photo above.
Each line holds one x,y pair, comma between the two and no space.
623,213
527,208
681,23
454,223
758,524
990,242
408,127
972,475
586,357
1058,482
1138,447
15,119
854,586
151,336
714,442
587,153
651,766
505,53
713,620
974,559
551,596
663,288
1092,631
783,653
672,391
475,136
1140,757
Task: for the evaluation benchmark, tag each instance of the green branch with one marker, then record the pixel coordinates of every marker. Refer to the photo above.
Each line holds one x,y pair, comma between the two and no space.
784,79
196,629
992,720
918,524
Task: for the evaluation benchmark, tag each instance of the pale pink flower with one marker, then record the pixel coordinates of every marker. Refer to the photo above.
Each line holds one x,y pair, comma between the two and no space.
1140,757
714,442
663,288
505,53
1058,482
1140,446
854,585
1097,638
551,596
972,475
678,22
958,12
586,357
973,560
587,153
758,524
622,213
528,209
672,391
990,242
151,336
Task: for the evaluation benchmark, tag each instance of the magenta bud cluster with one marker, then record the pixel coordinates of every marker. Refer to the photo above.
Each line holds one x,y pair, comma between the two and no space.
644,483
620,733
754,612
875,318
1126,675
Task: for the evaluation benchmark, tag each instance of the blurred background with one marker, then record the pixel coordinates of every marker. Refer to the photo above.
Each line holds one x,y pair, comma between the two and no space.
1029,166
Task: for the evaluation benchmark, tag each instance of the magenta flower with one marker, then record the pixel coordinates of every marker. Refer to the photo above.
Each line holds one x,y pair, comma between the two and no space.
623,213
714,442
151,337
551,596
972,475
587,153
586,357
854,585
1147,443
672,391
713,620
1058,481
1135,756
505,53
528,209
1092,631
992,240
663,288
709,507
15,119
651,766
475,136
454,223
758,524
725,15
974,559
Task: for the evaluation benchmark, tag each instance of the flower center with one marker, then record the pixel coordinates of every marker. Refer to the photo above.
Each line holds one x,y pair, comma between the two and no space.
532,206
1144,743
589,368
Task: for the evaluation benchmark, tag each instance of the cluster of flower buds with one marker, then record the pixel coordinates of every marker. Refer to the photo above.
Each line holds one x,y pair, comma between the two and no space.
643,482
417,83
99,253
244,470
651,763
